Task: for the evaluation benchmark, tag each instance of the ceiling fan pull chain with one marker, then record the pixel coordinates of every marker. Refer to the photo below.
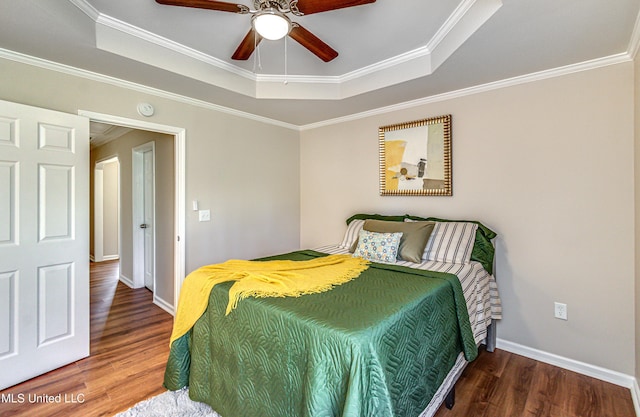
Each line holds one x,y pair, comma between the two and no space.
285,61
256,57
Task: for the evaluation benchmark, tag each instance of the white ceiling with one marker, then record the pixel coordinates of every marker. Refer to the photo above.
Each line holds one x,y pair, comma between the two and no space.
101,133
391,52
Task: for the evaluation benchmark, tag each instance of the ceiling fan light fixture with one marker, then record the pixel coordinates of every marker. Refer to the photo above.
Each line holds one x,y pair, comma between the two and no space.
271,24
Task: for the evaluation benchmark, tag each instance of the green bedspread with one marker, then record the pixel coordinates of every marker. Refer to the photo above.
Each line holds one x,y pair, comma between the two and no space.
377,346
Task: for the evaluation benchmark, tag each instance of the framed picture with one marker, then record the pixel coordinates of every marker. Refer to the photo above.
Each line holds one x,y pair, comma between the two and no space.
415,157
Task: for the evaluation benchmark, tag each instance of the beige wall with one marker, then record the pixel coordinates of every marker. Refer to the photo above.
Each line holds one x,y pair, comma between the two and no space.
109,207
549,166
111,203
637,209
245,171
164,212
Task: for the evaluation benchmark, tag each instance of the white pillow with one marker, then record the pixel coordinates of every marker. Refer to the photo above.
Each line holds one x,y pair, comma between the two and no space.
351,235
451,242
378,247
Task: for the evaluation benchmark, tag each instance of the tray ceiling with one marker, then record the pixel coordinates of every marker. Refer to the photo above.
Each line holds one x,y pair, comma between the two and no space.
389,52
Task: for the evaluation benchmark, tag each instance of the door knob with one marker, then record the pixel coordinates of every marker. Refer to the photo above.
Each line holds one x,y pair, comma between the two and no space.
143,226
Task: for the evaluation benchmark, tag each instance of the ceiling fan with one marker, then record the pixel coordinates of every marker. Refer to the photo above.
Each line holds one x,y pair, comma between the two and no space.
270,21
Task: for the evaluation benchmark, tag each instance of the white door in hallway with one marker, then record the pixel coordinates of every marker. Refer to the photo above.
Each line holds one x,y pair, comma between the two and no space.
44,241
149,208
144,250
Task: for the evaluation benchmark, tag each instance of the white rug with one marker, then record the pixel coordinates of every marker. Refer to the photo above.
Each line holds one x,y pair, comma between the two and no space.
170,404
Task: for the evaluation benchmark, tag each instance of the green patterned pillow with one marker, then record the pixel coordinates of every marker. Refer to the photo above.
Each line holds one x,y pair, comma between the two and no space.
378,247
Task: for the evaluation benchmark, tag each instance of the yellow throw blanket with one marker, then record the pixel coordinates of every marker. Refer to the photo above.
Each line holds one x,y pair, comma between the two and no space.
280,278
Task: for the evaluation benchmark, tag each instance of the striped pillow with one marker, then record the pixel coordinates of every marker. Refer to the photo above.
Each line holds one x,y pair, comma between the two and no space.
351,235
451,242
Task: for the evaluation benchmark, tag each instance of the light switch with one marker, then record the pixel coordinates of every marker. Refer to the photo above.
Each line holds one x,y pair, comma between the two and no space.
204,215
195,205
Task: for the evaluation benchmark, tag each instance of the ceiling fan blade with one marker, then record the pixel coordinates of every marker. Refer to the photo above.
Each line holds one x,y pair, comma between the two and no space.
317,6
247,46
312,43
222,6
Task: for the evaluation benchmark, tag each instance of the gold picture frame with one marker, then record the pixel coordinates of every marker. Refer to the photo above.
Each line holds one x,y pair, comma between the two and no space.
415,158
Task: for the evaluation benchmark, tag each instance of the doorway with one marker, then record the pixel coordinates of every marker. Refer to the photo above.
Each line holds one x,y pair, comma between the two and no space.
175,240
106,210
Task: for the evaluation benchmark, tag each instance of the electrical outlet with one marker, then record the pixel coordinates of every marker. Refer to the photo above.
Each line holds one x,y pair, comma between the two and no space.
560,311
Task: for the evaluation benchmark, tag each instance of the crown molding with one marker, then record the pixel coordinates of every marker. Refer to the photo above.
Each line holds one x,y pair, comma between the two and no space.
166,43
537,76
389,63
634,43
523,79
124,39
468,17
86,8
94,76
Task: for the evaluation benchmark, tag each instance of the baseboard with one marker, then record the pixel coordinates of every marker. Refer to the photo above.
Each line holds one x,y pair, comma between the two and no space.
163,304
583,368
635,396
129,282
104,258
168,307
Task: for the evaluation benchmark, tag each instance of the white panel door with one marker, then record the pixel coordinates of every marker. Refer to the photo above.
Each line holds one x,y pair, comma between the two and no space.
149,221
143,197
44,241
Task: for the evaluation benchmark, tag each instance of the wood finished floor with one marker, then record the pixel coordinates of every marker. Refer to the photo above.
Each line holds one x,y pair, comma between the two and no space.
129,349
502,384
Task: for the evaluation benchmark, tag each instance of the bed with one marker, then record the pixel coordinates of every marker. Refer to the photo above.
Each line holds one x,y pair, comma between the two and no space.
391,342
